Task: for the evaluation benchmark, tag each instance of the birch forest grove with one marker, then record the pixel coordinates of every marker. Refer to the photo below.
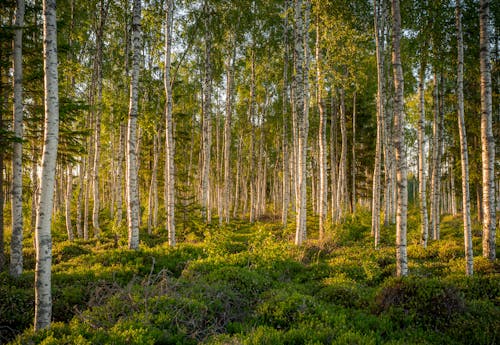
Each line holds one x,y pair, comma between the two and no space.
249,172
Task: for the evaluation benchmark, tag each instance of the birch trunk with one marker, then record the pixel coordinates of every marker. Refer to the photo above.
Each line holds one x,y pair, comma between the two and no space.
323,152
342,174
353,171
43,238
16,244
286,158
464,156
399,119
487,138
207,121
69,194
424,227
435,164
169,139
153,185
301,108
333,159
379,24
227,127
119,174
132,137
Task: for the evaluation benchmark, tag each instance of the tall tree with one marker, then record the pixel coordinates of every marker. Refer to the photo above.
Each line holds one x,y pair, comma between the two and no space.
487,138
16,244
399,119
43,238
206,117
323,178
464,155
379,23
424,226
169,138
301,108
132,141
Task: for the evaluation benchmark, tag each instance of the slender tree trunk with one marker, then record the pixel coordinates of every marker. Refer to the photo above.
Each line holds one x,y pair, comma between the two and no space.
323,152
227,127
353,171
399,119
435,192
342,175
251,119
169,139
464,156
285,147
333,159
16,244
43,295
301,108
153,185
69,196
132,137
379,22
424,225
207,120
119,174
487,138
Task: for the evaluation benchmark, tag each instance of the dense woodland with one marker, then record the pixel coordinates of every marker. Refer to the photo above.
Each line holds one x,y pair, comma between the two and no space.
249,171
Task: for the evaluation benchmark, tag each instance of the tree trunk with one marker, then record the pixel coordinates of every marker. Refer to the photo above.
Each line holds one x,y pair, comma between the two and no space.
353,171
43,295
342,174
323,151
301,108
169,139
424,225
487,138
132,137
399,119
69,196
16,244
464,156
227,127
436,166
119,173
207,121
379,23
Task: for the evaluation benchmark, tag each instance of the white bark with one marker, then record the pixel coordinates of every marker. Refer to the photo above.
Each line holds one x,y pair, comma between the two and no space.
323,152
132,140
43,238
379,23
169,139
286,154
69,195
301,109
227,127
399,119
207,121
464,156
424,225
487,138
16,244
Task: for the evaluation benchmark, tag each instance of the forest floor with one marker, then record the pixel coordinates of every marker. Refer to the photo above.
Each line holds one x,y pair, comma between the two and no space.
248,284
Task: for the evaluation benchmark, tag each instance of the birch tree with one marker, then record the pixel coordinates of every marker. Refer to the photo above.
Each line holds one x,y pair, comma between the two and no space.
464,155
487,138
424,224
169,140
16,244
43,238
206,119
132,141
399,119
323,178
379,24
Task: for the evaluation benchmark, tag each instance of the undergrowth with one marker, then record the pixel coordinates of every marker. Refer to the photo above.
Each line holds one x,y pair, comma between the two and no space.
248,284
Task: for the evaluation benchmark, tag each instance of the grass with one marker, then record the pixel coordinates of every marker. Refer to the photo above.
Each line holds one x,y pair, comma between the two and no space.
248,284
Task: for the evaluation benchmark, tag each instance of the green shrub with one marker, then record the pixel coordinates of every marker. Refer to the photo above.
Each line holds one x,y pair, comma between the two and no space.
429,302
343,291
